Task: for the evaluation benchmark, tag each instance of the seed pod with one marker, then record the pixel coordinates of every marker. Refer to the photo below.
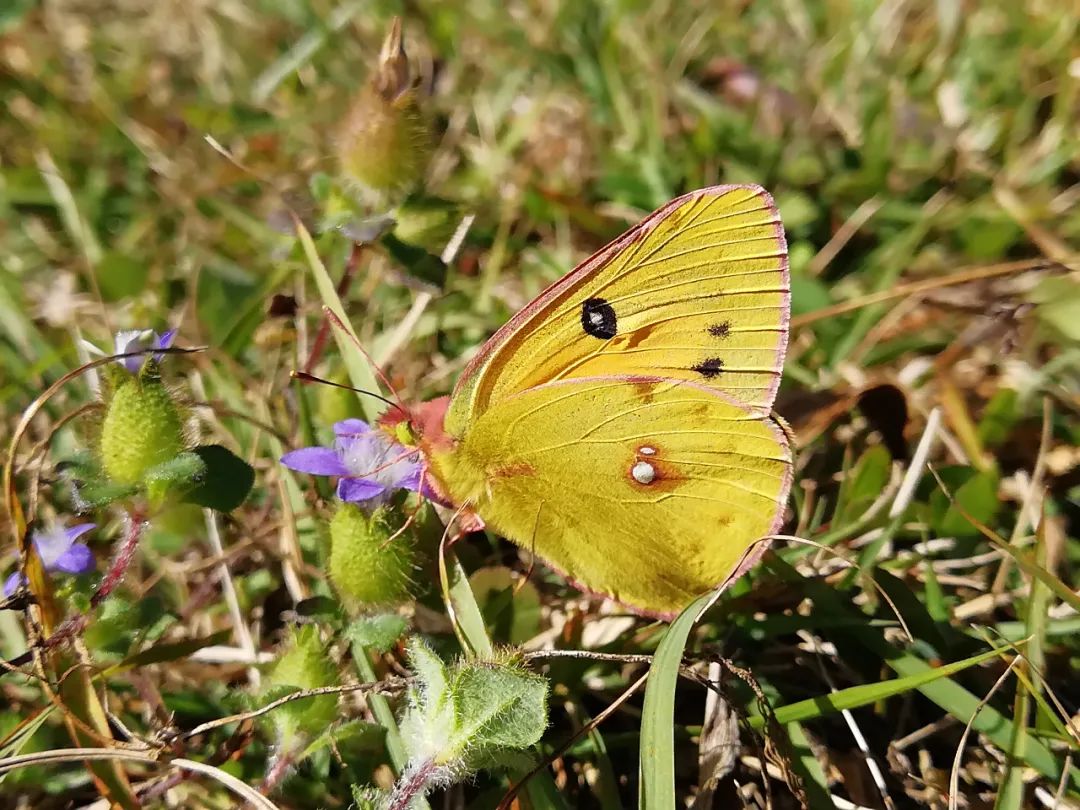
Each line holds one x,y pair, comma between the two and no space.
142,428
303,665
370,570
384,142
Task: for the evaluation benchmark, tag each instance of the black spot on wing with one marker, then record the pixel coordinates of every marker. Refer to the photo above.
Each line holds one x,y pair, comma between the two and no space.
720,330
709,368
598,318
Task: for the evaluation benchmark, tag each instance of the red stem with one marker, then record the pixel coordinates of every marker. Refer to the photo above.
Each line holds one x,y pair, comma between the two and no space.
278,769
411,785
121,560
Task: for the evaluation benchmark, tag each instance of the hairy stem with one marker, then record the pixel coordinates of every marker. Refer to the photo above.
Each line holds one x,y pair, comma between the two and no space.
413,783
75,625
122,559
279,767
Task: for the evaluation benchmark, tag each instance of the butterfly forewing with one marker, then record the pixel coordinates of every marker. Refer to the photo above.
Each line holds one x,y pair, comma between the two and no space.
698,291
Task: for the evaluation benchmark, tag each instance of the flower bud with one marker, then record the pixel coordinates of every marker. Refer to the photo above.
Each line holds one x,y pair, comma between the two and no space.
142,428
303,665
384,142
367,568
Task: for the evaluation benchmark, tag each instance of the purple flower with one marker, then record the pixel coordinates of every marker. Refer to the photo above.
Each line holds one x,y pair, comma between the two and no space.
370,463
58,552
133,340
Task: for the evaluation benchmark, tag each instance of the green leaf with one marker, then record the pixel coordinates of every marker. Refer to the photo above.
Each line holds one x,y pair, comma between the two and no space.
470,621
378,633
98,492
658,713
380,707
160,653
418,262
1058,305
227,481
358,734
473,714
121,621
977,496
866,483
511,609
180,471
360,372
318,607
998,418
864,694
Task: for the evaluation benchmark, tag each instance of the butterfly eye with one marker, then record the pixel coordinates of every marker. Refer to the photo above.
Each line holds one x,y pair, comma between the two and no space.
598,318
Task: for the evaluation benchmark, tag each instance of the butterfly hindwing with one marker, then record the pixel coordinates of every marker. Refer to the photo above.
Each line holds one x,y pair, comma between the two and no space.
642,489
698,291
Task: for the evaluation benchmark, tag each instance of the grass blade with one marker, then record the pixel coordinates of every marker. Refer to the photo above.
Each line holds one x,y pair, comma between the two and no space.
657,791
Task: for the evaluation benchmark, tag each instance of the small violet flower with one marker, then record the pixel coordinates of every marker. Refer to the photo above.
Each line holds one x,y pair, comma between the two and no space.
369,462
133,340
59,552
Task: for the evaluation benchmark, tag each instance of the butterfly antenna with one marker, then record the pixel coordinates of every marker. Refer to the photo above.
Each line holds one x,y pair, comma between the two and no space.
337,322
303,376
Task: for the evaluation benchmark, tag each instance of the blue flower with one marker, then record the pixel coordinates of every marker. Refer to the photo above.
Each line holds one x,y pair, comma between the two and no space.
58,552
369,463
133,340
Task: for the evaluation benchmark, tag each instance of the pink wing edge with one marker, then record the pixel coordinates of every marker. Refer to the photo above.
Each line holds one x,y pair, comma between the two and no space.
601,257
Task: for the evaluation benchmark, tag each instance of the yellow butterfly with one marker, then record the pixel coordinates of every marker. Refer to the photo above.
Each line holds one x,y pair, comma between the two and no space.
619,425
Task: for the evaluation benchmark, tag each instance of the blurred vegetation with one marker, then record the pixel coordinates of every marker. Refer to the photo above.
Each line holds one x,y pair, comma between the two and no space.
926,161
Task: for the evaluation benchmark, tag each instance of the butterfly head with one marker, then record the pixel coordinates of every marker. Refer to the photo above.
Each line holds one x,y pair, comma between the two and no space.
418,426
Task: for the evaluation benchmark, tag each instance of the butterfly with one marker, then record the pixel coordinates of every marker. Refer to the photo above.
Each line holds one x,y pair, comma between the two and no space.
619,425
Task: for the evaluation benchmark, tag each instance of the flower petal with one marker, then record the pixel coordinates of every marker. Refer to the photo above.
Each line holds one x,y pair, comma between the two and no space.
164,340
124,338
134,363
351,427
133,340
76,560
50,544
411,478
358,490
75,532
12,583
315,460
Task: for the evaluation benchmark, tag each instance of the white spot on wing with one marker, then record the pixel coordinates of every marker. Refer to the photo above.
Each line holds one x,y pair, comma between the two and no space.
647,451
643,472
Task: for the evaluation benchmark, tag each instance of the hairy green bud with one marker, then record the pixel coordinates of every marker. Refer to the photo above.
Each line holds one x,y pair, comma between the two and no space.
303,665
142,429
384,143
369,567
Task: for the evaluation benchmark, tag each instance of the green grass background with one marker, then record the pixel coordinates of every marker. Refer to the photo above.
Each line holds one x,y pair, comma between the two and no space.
911,146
